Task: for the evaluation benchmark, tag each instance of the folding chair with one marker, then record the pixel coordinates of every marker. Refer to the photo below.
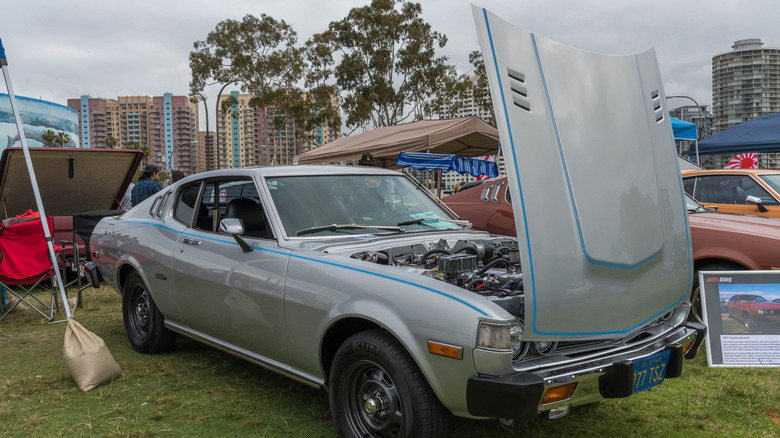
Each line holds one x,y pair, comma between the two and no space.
25,264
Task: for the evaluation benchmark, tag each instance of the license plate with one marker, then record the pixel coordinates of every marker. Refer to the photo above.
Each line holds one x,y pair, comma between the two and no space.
650,371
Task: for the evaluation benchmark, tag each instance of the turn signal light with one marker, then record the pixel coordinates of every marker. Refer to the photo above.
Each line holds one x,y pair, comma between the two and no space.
559,393
688,346
445,350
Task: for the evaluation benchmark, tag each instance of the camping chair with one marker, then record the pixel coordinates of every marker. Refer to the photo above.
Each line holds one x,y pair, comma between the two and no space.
83,225
25,264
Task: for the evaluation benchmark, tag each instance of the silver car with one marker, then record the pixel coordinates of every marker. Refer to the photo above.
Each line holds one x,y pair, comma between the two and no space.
358,281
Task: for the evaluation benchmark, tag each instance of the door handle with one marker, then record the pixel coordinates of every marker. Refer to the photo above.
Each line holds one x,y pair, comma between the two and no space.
190,242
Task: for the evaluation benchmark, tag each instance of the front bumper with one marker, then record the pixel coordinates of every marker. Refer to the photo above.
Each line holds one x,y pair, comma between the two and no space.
519,395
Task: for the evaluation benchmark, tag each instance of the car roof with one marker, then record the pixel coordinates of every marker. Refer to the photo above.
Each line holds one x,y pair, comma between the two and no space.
690,172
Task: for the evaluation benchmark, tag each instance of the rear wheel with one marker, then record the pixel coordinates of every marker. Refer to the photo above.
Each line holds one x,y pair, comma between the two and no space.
696,309
143,321
376,390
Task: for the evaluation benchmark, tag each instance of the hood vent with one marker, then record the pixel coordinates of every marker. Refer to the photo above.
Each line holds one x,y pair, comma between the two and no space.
519,89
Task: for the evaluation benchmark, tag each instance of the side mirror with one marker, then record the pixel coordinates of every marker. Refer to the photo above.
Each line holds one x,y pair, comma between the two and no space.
755,200
235,228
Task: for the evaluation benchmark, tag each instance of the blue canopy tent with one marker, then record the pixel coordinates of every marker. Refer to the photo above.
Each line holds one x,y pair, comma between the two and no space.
447,162
684,130
758,135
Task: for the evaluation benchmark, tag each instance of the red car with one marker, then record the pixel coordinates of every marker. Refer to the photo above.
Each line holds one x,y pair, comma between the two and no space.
754,311
721,241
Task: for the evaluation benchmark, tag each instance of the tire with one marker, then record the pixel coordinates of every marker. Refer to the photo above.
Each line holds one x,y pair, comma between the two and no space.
696,310
144,323
750,323
377,390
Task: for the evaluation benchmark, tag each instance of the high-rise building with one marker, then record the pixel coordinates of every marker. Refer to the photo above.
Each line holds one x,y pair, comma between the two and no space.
247,136
204,140
745,86
166,126
745,83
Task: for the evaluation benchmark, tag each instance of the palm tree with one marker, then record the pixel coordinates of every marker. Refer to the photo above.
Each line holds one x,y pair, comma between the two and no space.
49,138
63,138
111,142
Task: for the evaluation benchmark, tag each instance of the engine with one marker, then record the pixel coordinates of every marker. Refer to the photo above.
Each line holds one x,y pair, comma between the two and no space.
489,267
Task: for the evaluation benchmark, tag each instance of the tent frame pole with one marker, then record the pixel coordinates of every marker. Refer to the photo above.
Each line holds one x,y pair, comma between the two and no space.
34,182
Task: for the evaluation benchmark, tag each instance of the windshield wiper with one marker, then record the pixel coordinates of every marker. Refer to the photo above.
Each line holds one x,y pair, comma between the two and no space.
334,227
422,220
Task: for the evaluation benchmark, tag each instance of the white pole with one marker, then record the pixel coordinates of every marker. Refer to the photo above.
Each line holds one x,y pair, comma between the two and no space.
33,180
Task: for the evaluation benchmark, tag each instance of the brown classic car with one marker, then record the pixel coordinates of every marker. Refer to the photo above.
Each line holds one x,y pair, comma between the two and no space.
754,311
721,241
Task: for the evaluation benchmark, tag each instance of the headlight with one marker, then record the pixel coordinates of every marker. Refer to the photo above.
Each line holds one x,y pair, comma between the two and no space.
519,347
761,311
494,336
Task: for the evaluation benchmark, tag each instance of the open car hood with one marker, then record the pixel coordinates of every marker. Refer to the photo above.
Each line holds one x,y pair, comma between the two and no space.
70,180
594,181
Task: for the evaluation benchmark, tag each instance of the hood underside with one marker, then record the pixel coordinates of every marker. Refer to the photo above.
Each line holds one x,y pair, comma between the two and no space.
594,182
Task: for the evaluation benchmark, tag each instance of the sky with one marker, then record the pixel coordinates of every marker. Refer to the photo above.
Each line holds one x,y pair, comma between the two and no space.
107,48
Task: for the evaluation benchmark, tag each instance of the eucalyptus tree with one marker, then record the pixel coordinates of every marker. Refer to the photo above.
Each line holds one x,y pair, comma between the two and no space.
260,55
385,64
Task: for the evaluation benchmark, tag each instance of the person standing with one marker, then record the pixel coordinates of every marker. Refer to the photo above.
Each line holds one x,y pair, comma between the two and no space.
147,184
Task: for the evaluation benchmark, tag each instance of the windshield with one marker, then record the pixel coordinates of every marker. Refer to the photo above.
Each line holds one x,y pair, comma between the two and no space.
332,204
772,180
693,206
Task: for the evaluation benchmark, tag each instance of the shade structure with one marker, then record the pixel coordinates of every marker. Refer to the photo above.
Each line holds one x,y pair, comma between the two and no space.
758,135
447,162
683,130
467,137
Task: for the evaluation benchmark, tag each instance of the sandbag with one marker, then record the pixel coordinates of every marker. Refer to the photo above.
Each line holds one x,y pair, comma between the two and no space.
87,357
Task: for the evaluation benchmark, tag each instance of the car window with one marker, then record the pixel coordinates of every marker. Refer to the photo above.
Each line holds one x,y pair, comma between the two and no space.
688,184
365,200
186,201
728,189
232,198
772,180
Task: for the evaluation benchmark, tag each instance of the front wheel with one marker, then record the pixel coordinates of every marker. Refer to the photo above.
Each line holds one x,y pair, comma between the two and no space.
750,324
143,321
377,390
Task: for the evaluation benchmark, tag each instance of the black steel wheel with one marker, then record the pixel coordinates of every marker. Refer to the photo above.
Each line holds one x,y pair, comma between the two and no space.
376,390
750,324
143,321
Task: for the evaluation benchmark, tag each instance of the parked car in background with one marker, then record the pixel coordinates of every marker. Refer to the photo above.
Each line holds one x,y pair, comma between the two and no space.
721,241
745,191
754,311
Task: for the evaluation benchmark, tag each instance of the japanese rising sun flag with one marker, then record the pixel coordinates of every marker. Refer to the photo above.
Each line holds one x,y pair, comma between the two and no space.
747,160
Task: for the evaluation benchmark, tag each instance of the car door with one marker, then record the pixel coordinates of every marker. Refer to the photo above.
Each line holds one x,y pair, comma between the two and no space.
594,182
729,193
225,294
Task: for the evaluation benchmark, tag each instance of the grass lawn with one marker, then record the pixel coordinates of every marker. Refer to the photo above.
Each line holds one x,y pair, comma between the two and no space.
197,391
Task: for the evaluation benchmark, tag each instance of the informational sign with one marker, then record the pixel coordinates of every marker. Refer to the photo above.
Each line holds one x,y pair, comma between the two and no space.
742,312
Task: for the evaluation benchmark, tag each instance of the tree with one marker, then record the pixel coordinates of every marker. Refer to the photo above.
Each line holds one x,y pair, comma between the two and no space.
388,70
111,142
261,56
479,86
49,138
63,138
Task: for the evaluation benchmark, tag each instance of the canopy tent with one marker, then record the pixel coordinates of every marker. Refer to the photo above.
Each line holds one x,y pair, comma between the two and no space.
467,136
684,130
758,135
447,162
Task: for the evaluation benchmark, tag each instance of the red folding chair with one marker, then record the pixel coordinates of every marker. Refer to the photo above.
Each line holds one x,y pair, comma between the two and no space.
25,264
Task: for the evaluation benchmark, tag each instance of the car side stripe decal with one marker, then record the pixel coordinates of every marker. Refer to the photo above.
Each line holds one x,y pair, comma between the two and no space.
387,277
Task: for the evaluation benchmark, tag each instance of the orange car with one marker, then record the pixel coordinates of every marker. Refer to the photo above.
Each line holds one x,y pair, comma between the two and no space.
745,191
